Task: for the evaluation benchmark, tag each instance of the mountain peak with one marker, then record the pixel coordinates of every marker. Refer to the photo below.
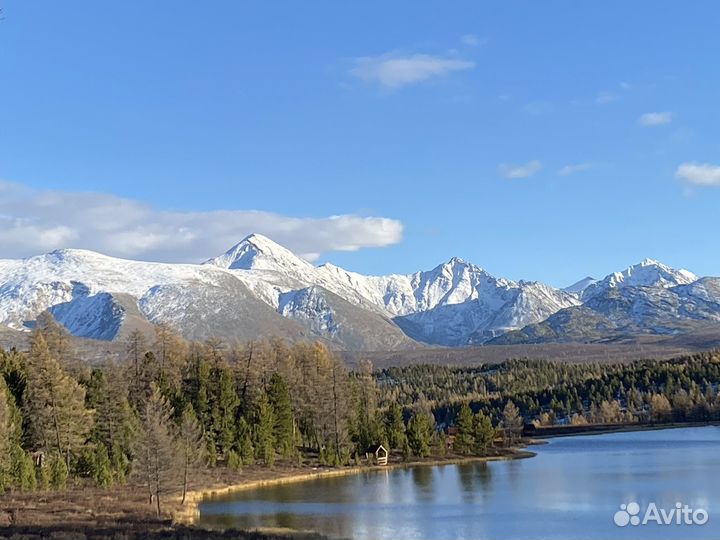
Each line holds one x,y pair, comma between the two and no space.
258,252
579,286
647,273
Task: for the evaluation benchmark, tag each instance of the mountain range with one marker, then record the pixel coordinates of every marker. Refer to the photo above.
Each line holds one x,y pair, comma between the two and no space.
259,288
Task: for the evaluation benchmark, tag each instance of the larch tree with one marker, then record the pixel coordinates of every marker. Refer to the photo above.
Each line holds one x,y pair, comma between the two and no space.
54,404
157,462
512,423
191,446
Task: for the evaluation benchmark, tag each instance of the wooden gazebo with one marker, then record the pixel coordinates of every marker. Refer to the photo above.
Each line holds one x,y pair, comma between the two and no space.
380,453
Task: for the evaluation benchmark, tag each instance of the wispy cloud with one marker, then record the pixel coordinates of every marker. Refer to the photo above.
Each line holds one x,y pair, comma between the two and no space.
393,71
34,221
573,168
520,171
653,119
699,174
472,40
603,98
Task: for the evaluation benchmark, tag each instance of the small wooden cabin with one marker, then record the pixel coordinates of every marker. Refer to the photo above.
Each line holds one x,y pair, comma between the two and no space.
380,453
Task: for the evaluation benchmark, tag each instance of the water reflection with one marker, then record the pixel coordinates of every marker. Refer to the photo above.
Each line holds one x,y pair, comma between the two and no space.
570,490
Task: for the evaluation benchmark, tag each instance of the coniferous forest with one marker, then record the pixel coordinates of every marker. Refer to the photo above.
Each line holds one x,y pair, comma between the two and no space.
169,409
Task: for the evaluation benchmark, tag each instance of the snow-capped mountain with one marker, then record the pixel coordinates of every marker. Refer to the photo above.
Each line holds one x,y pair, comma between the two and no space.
649,273
455,303
259,288
647,298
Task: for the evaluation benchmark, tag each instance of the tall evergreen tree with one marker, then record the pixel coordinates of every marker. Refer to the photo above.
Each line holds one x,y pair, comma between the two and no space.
464,439
419,434
395,427
7,432
284,429
483,434
264,431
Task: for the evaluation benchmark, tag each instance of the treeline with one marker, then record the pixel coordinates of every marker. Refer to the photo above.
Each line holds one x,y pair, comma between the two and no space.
547,393
171,409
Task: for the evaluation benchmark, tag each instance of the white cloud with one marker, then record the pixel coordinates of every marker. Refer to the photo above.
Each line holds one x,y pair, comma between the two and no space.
394,71
699,174
33,222
652,119
520,171
573,168
603,98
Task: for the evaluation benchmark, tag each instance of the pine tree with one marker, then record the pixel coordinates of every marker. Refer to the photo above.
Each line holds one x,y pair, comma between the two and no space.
245,444
23,472
115,422
224,403
7,432
58,472
102,466
284,429
264,431
367,429
54,404
395,427
464,440
191,443
419,434
483,434
157,461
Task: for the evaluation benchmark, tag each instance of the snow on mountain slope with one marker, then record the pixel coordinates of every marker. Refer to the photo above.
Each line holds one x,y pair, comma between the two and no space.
579,286
624,311
648,273
330,315
99,316
446,305
30,286
260,288
81,288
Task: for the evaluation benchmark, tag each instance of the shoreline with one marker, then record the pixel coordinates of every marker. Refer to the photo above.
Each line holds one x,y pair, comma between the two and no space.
189,513
601,429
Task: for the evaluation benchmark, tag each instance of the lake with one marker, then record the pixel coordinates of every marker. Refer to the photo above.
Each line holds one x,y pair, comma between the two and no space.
571,489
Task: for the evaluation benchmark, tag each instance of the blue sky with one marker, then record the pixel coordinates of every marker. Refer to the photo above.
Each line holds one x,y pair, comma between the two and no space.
540,140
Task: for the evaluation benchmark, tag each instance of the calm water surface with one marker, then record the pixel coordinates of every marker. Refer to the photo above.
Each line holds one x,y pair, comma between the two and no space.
571,489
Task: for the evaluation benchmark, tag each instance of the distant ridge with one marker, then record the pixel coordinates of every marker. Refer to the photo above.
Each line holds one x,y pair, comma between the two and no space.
259,288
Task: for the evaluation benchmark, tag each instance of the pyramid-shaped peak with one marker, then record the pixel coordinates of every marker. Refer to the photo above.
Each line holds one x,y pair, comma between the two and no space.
258,252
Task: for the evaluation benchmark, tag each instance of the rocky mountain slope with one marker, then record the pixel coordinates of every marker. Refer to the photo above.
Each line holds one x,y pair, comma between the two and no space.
258,288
